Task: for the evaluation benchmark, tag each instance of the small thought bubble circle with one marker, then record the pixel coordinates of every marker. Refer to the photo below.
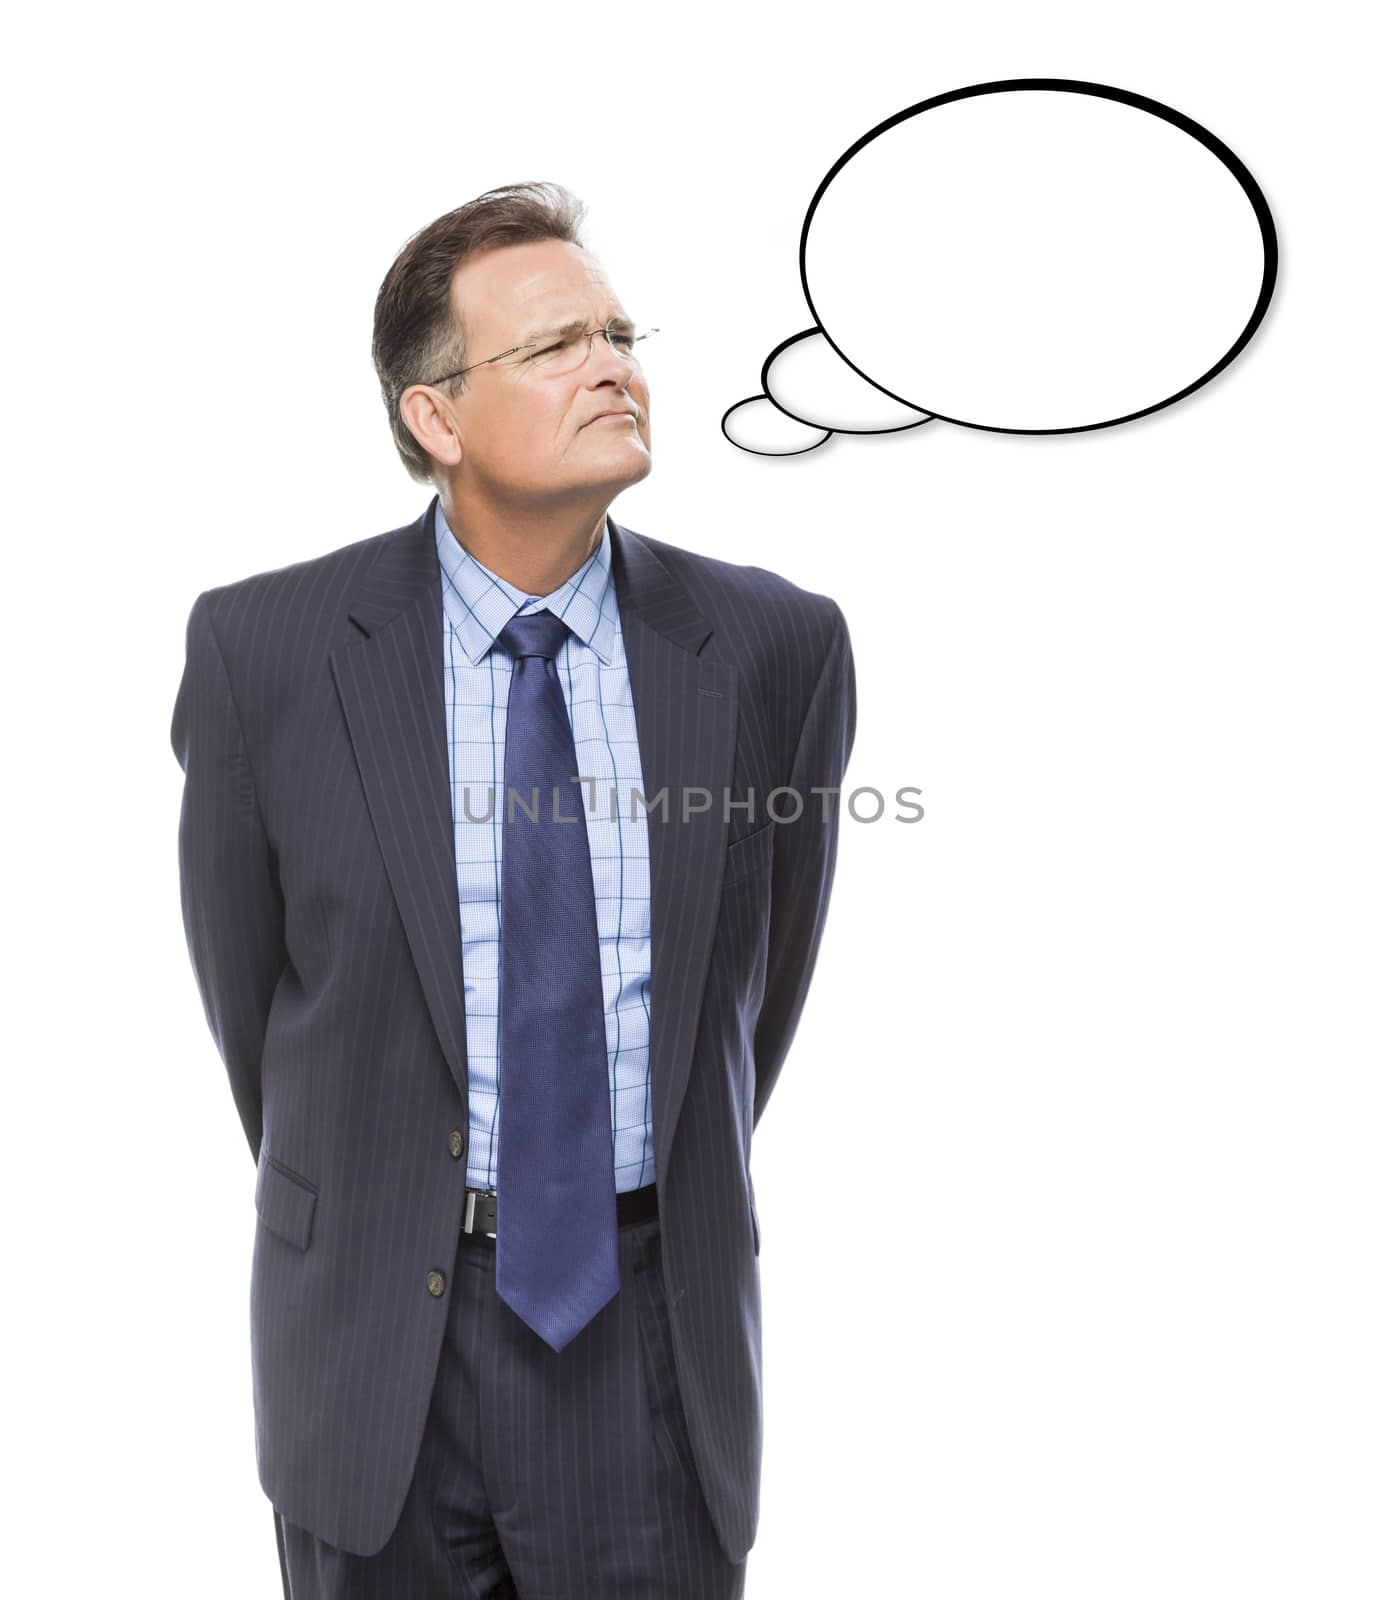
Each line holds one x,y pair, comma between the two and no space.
763,429
1038,255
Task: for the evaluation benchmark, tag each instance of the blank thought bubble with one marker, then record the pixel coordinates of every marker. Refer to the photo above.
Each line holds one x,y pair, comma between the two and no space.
1038,255
1035,255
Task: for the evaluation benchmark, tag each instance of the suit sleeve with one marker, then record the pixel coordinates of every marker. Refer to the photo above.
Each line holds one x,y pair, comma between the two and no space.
804,855
232,907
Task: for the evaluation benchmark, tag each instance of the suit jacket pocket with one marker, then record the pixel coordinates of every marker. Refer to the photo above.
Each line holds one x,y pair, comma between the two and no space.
748,855
286,1203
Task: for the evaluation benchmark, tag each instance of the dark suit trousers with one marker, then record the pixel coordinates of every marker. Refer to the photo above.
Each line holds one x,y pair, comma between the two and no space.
542,1475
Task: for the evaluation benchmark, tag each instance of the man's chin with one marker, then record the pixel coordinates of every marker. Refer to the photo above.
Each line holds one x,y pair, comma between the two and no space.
620,474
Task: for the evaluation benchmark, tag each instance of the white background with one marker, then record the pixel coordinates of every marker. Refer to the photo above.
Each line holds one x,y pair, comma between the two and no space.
1067,1191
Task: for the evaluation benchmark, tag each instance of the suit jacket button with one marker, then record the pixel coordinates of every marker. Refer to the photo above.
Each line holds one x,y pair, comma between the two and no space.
435,1282
456,1143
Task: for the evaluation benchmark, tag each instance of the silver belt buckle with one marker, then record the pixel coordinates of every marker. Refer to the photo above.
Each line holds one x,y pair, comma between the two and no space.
470,1199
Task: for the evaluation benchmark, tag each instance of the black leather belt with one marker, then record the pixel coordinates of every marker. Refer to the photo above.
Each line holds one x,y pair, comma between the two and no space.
481,1209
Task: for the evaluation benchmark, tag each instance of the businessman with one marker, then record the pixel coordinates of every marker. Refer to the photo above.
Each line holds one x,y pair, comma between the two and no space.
506,843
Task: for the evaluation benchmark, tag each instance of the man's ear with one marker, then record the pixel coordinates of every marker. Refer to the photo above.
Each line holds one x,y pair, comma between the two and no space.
431,424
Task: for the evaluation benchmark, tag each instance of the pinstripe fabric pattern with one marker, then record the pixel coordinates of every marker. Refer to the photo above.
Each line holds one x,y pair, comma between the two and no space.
592,668
320,901
562,1476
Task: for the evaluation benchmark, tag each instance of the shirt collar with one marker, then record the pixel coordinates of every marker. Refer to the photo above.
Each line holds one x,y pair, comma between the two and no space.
480,604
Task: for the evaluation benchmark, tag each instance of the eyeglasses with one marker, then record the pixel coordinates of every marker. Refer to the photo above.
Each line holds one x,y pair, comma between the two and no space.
558,354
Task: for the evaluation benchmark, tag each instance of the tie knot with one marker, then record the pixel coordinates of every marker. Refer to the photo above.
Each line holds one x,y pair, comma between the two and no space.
539,633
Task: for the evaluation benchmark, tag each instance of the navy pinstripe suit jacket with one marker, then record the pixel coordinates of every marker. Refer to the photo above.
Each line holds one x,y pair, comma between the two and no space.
321,911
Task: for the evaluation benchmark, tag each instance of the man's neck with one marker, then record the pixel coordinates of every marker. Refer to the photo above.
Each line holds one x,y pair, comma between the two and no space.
533,548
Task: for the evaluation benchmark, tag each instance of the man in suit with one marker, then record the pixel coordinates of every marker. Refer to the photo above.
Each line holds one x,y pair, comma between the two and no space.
500,1075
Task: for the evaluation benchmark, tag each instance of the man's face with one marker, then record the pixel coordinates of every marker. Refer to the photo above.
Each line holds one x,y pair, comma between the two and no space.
527,435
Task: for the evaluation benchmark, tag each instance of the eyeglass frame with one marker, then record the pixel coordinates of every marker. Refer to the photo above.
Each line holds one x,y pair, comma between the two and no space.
587,333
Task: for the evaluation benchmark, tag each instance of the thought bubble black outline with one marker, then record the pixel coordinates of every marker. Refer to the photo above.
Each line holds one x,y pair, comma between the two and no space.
856,433
1223,153
771,455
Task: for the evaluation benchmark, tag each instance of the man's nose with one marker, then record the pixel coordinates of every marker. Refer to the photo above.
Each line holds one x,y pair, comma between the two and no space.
604,362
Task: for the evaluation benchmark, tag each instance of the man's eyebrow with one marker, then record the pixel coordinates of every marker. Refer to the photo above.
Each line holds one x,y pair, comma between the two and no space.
572,326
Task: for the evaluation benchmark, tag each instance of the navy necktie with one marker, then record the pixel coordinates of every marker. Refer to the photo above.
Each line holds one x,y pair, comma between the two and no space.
557,1203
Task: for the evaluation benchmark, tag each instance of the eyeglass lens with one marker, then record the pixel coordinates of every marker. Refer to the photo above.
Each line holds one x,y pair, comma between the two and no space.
564,354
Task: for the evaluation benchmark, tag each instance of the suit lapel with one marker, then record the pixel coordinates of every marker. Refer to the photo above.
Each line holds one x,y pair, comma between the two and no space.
391,686
392,689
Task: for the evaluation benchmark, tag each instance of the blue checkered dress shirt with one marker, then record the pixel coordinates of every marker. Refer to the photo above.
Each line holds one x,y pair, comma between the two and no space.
592,668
